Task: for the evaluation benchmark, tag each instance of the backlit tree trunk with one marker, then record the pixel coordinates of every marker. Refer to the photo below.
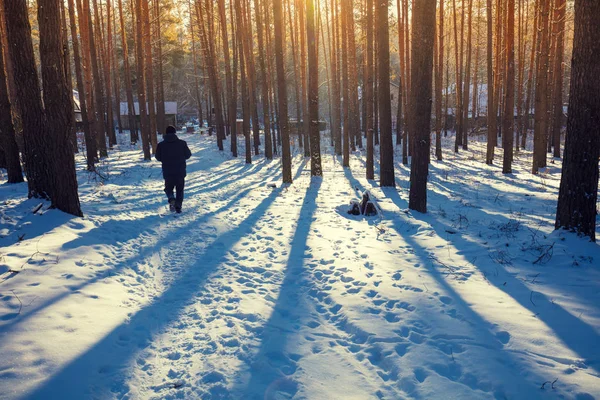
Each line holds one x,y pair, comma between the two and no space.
541,98
144,121
286,160
386,162
423,37
368,98
557,103
439,73
90,143
509,102
491,116
58,104
7,133
578,193
128,86
313,90
36,156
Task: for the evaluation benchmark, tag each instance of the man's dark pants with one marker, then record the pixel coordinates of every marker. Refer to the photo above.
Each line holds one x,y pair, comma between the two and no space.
176,183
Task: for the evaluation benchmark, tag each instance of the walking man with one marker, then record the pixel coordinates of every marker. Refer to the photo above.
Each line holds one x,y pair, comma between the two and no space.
172,153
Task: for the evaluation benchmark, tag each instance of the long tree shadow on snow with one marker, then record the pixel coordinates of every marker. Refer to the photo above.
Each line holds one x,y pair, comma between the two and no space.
75,379
275,361
480,328
132,229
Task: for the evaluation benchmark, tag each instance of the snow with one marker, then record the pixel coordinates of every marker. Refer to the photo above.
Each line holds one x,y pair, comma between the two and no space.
262,292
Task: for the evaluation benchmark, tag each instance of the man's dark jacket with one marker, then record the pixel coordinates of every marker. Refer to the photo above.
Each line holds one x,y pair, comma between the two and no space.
173,152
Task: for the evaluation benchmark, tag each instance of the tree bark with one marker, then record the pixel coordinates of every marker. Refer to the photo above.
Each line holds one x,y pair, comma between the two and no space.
386,163
439,74
491,117
576,209
160,87
345,87
557,113
144,121
530,75
509,103
7,132
458,86
58,103
101,131
541,88
368,98
90,143
37,158
313,90
128,86
286,160
336,107
467,82
423,22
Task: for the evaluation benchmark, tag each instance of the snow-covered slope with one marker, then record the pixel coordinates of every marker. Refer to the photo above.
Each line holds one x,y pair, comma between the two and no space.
260,292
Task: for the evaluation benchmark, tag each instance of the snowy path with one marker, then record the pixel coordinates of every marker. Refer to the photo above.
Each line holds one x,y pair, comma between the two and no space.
259,293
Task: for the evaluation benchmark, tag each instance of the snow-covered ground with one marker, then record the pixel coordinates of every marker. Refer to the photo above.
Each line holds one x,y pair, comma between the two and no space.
257,292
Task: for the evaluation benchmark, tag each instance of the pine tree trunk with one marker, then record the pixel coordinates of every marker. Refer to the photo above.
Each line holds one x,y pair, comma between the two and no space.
509,103
540,117
297,90
458,86
368,98
491,117
115,71
7,133
161,123
300,11
149,73
439,73
37,158
556,118
90,143
229,79
345,87
112,136
286,159
423,22
313,90
475,111
386,162
336,124
520,75
128,86
210,59
58,103
142,104
352,65
578,193
467,83
498,77
529,90
234,87
88,81
246,108
403,99
67,65
251,68
101,130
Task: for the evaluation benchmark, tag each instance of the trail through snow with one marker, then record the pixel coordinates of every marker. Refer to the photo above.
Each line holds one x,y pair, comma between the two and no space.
257,292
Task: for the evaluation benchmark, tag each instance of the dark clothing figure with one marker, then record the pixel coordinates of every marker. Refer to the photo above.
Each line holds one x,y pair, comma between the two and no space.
172,153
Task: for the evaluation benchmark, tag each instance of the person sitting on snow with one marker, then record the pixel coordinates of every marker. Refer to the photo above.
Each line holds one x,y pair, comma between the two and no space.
172,153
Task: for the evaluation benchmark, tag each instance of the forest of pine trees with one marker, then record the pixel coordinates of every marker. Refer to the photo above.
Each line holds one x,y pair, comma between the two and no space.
386,76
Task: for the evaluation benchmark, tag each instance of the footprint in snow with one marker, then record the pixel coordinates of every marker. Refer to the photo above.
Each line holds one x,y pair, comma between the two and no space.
503,337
